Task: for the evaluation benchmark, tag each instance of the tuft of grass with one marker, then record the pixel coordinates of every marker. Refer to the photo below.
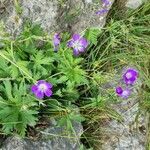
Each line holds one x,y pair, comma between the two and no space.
122,42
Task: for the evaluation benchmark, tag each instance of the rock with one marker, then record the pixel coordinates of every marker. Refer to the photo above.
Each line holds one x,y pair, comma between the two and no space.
87,16
133,4
41,12
53,15
52,138
128,133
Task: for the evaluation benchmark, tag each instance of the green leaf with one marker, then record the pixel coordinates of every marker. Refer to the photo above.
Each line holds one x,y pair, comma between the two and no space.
14,71
8,89
92,35
18,111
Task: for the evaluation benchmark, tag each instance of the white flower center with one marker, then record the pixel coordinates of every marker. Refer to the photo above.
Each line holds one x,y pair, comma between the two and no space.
128,75
77,45
42,87
125,93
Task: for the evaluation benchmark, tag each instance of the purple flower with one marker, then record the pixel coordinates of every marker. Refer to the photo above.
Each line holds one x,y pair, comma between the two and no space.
119,90
124,93
130,76
56,41
42,88
78,43
101,12
106,2
104,7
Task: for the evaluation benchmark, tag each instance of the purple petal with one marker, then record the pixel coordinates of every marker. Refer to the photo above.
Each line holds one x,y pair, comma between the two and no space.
70,43
81,49
75,51
126,93
130,76
39,94
84,42
101,12
56,39
106,2
76,37
48,93
49,85
41,82
133,72
119,90
130,81
34,88
56,42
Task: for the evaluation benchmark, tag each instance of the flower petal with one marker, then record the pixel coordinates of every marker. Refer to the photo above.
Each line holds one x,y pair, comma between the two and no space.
133,72
126,93
41,82
70,43
48,93
119,90
76,37
81,49
49,85
106,2
84,42
34,89
39,94
75,51
130,76
56,39
101,12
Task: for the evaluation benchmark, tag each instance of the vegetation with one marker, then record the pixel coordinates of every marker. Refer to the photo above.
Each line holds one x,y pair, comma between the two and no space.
77,80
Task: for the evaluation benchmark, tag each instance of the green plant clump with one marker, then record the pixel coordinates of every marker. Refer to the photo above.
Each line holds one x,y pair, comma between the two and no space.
45,76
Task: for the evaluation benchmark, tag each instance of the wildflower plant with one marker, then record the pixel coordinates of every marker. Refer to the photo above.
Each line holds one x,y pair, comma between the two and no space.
128,80
34,74
43,74
17,109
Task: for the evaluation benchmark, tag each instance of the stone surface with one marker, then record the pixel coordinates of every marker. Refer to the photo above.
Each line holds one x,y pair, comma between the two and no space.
52,138
133,4
128,134
53,15
41,12
88,17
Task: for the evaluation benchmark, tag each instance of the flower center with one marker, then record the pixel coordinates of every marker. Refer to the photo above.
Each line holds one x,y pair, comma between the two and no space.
128,75
42,87
77,45
125,93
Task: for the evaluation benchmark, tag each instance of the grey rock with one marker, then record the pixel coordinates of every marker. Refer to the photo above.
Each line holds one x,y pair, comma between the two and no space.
128,134
53,15
87,17
52,138
41,12
133,4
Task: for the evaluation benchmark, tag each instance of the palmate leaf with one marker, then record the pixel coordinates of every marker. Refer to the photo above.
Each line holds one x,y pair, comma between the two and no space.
92,35
40,59
26,117
71,68
10,119
17,111
8,89
4,70
14,71
75,74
